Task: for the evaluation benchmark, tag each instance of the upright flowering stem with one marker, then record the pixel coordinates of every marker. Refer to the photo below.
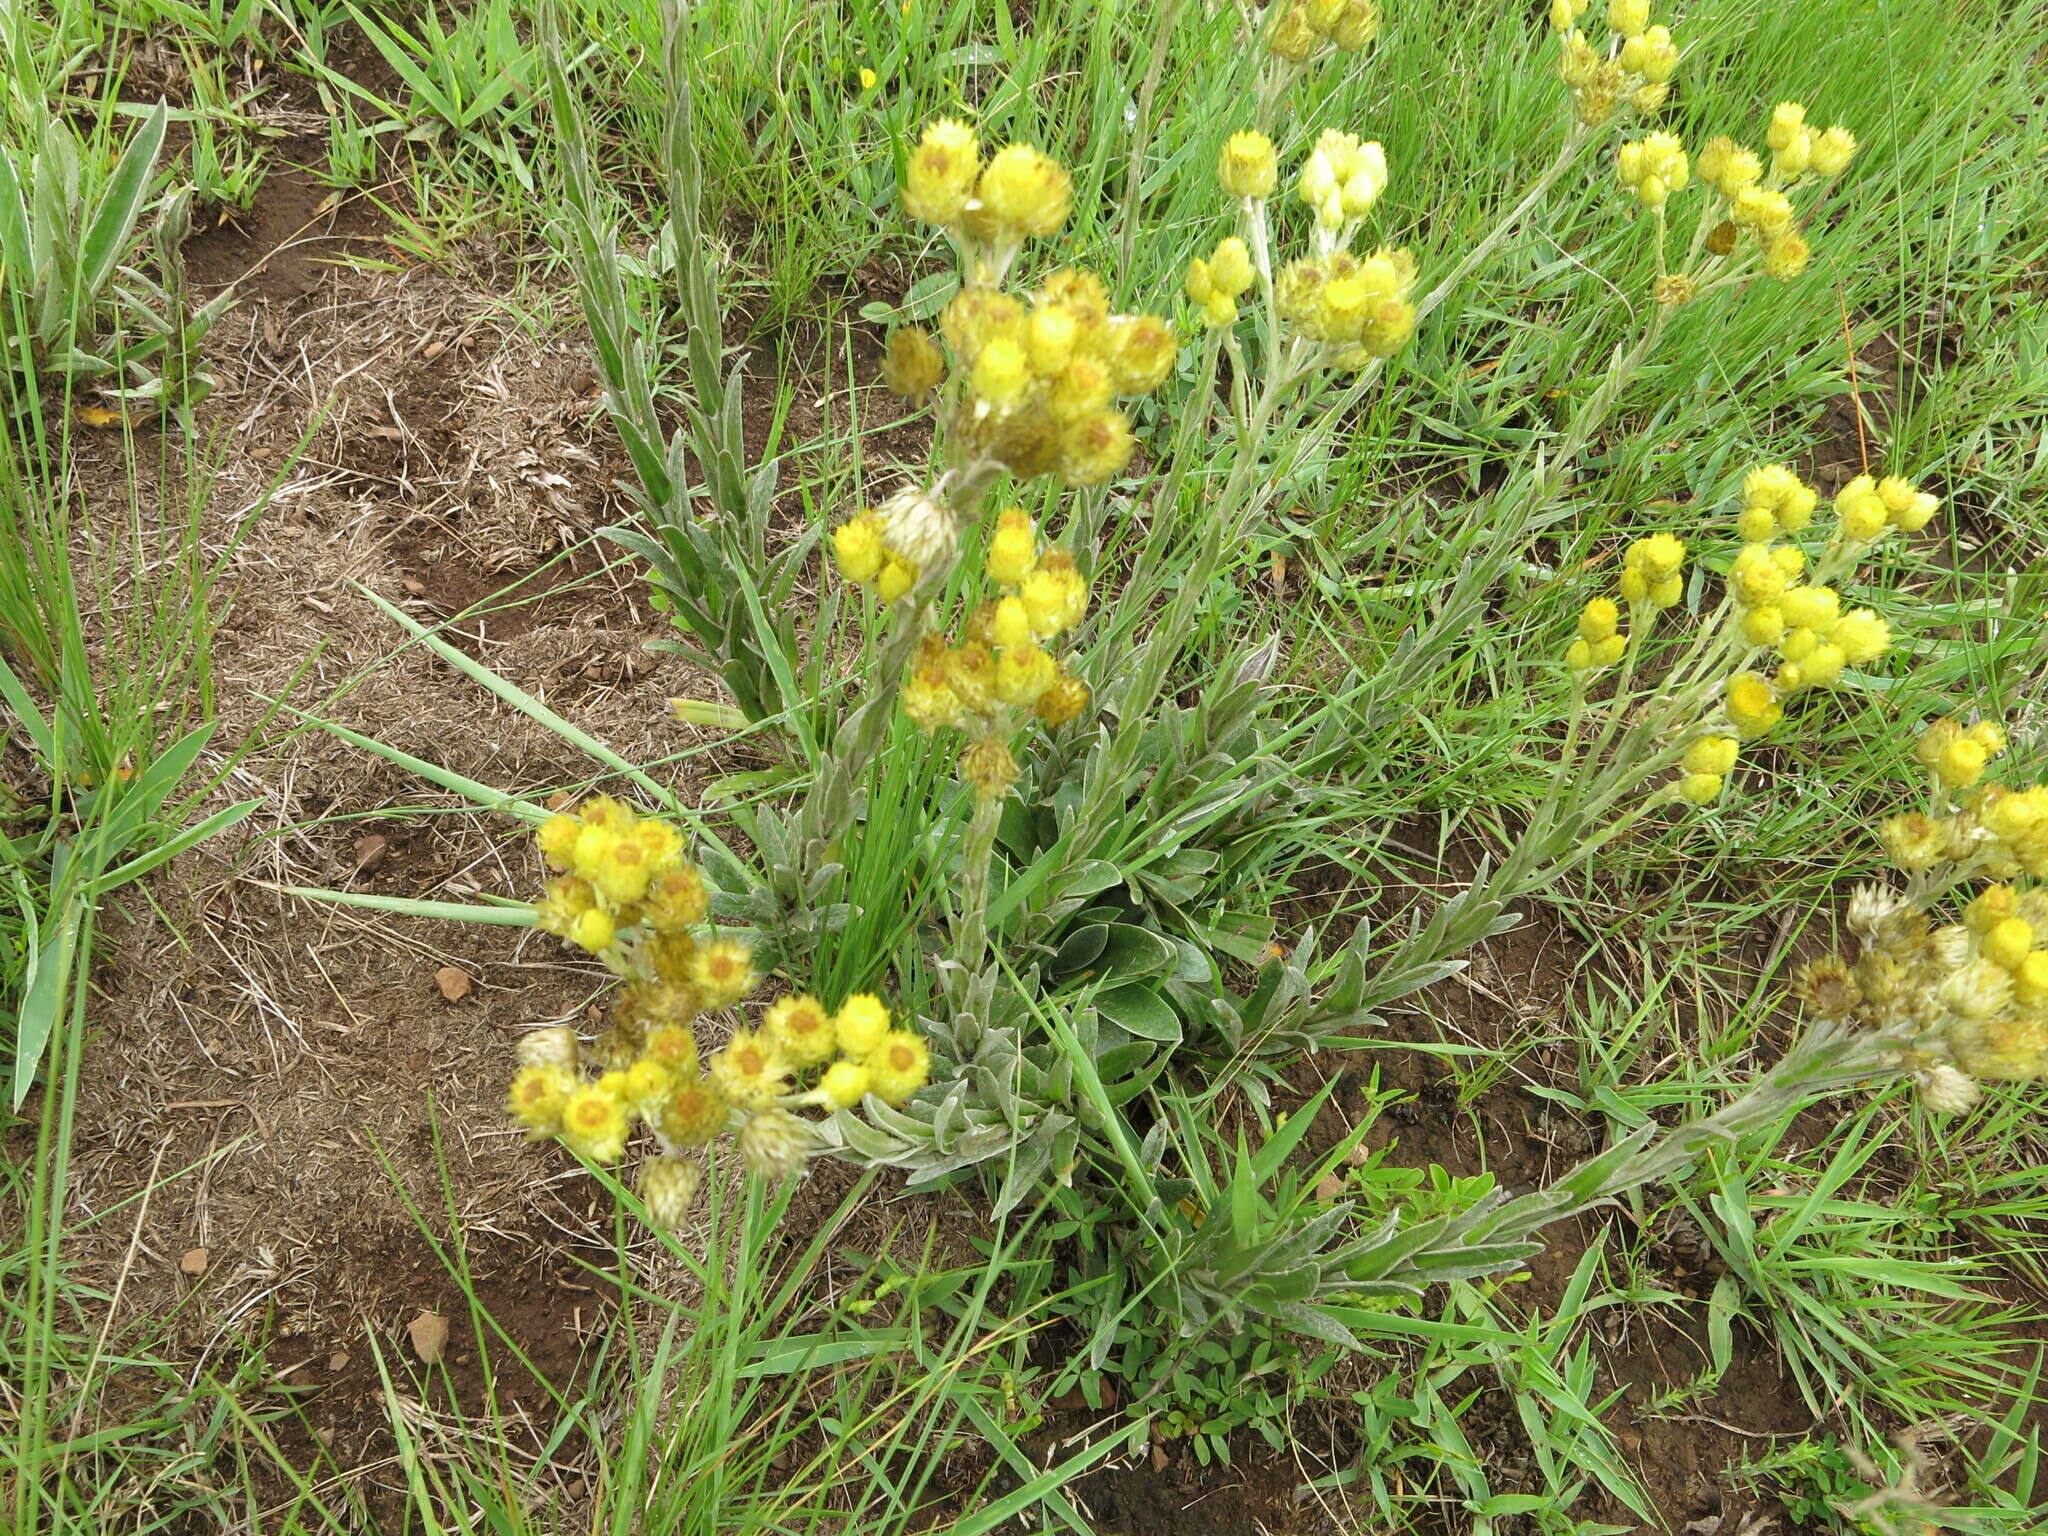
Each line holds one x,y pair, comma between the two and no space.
828,807
977,853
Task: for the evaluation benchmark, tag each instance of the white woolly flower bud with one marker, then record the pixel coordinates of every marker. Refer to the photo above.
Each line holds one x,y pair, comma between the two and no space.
1979,990
1951,946
775,1143
1869,906
916,528
1946,1090
554,1046
668,1188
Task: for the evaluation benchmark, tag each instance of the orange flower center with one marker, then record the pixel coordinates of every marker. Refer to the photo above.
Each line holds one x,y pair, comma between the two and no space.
902,1058
751,1061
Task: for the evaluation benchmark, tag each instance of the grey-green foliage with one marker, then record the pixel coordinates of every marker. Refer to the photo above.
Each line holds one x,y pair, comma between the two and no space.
64,229
707,506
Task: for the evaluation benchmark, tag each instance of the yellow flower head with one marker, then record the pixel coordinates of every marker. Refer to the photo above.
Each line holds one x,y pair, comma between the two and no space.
1833,150
1248,167
774,1143
1711,754
1658,556
694,1113
674,1046
722,972
1862,635
913,366
1653,167
858,546
989,768
563,907
1700,788
1628,17
750,1071
1025,191
668,1185
647,1083
1095,448
2008,943
898,1066
1023,673
801,1028
845,1083
676,900
1063,701
1599,619
1788,121
1786,256
1055,596
594,1123
1810,607
557,839
537,1096
1752,707
860,1024
941,173
1230,266
1012,548
594,931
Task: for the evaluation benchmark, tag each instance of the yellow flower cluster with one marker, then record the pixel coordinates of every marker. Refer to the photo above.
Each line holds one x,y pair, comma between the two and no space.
1041,375
1972,995
1359,309
1356,308
1342,178
888,547
1804,621
1035,379
1019,192
1002,664
1216,283
1306,28
1653,167
1651,581
621,871
1991,828
1636,68
1757,203
643,1069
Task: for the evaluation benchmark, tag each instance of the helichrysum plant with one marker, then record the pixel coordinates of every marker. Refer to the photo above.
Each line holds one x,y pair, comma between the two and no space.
627,894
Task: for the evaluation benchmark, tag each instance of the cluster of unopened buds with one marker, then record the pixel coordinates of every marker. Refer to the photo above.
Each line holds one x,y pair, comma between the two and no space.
1779,601
644,1070
1002,670
1636,67
1301,31
1967,999
1033,379
1352,308
1749,201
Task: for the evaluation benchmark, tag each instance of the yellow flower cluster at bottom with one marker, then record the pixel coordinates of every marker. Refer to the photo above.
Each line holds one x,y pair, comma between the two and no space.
643,1070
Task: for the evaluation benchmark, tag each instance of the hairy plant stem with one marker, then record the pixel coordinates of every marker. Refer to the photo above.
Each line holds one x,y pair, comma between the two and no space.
828,807
977,853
